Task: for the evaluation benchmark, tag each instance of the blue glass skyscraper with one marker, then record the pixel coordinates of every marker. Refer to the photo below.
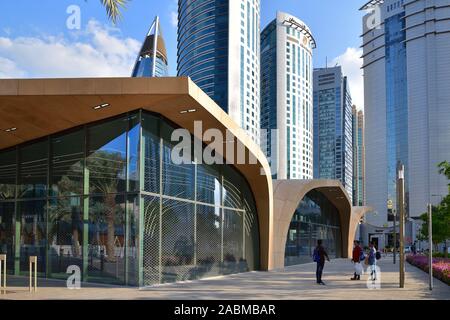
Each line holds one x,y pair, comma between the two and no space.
218,48
333,127
406,92
152,62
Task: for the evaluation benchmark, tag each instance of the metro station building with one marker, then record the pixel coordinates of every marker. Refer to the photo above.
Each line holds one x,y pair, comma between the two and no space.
87,179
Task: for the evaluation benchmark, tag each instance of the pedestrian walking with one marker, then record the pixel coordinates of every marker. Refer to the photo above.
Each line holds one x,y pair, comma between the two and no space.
357,256
319,257
372,260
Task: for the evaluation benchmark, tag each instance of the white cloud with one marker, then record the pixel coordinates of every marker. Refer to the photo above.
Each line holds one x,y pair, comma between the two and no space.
351,63
174,18
173,13
8,69
98,51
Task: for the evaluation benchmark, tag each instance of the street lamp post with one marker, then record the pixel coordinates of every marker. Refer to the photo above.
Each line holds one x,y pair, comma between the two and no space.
430,243
401,206
395,235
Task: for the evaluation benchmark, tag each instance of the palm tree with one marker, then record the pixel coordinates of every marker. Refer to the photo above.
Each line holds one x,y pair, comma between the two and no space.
113,8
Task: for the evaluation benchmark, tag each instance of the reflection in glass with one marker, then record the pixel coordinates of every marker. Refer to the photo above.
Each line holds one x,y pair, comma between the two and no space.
7,233
151,240
177,241
209,241
133,153
8,175
208,184
232,194
186,233
132,234
315,218
65,235
233,242
67,164
106,238
151,141
178,179
107,156
33,170
33,240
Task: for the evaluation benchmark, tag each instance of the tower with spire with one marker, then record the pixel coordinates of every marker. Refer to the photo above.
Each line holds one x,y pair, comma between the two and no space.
152,62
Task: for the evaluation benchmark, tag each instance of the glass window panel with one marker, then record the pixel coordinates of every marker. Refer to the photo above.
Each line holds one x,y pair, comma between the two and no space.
8,174
67,158
65,235
209,243
208,184
7,234
177,241
232,182
315,218
33,170
133,152
233,236
106,239
178,179
107,156
132,244
151,140
33,241
151,240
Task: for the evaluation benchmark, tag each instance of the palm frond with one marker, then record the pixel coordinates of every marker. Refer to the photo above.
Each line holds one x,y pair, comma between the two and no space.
113,8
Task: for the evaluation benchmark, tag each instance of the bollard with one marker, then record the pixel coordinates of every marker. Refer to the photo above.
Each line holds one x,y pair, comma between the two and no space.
33,281
2,274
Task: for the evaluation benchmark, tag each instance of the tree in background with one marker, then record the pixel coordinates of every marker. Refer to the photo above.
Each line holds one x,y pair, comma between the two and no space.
440,214
113,8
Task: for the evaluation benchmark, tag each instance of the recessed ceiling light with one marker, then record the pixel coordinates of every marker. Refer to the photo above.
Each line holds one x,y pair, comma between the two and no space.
101,106
188,111
11,129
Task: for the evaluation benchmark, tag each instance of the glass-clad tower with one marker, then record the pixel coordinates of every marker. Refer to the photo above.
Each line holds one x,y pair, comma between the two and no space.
406,92
286,96
358,158
218,48
333,127
151,62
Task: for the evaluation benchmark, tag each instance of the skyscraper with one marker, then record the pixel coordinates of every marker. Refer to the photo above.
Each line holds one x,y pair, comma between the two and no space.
406,47
150,62
358,158
333,145
286,96
218,48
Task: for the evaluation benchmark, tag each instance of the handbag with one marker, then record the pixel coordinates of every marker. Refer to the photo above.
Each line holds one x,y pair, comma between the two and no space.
358,269
366,261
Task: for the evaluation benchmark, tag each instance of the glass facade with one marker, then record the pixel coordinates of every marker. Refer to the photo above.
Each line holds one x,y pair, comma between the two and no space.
107,198
203,46
315,218
396,106
144,67
358,158
211,33
333,127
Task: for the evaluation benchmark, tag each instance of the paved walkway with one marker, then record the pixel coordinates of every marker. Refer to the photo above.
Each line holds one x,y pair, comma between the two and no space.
297,282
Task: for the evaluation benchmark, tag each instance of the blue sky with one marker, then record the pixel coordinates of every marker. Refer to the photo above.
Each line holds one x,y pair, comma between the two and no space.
34,37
